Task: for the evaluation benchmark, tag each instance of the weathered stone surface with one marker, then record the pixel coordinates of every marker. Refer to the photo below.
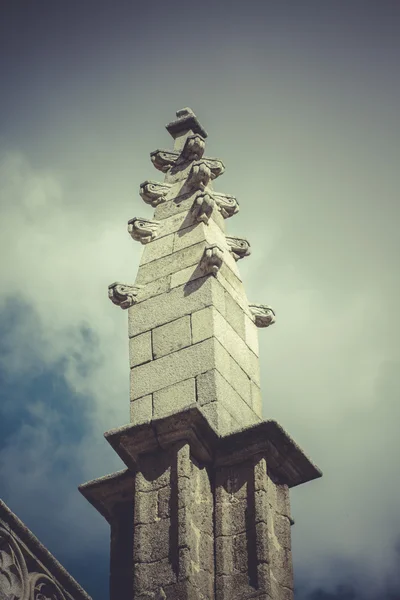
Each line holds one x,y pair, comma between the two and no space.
199,232
141,410
171,337
220,418
157,249
208,322
171,369
140,349
212,387
181,301
174,398
170,264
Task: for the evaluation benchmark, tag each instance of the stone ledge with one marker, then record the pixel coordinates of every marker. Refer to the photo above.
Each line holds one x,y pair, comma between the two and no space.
285,459
106,492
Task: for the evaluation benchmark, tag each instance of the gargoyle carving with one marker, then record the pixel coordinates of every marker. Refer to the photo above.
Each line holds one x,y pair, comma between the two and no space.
194,147
153,192
212,259
227,205
164,160
123,295
263,315
199,176
14,583
239,247
202,207
143,230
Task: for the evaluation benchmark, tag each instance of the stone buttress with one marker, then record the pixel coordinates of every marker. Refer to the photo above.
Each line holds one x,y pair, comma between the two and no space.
202,510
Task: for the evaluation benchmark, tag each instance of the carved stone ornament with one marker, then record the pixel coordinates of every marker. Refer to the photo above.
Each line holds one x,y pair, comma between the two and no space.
194,147
153,192
263,315
43,587
123,295
164,160
212,260
239,247
202,207
14,582
216,166
199,176
143,230
227,205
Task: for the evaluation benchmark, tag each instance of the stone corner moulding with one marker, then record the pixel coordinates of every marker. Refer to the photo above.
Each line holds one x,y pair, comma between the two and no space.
123,294
263,315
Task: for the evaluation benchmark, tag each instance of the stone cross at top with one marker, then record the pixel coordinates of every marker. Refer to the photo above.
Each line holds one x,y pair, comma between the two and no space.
192,331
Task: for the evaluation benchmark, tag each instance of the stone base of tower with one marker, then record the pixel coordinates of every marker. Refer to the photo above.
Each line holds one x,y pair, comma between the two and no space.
198,516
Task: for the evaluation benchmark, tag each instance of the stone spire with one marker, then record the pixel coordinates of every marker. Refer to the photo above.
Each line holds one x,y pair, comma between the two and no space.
193,334
202,510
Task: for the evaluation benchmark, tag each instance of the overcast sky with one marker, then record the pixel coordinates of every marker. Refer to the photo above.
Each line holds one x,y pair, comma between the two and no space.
301,101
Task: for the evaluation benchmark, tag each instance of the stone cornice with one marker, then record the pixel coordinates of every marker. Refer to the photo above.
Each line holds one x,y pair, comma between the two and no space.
105,493
285,459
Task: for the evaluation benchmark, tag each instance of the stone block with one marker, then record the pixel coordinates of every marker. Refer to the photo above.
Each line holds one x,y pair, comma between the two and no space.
140,349
251,335
170,264
235,413
151,576
231,517
171,369
262,542
224,555
141,410
163,502
178,302
235,315
185,276
151,541
208,322
174,398
220,418
171,337
146,507
256,399
154,473
260,476
199,232
281,566
233,374
154,288
282,530
230,276
157,249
